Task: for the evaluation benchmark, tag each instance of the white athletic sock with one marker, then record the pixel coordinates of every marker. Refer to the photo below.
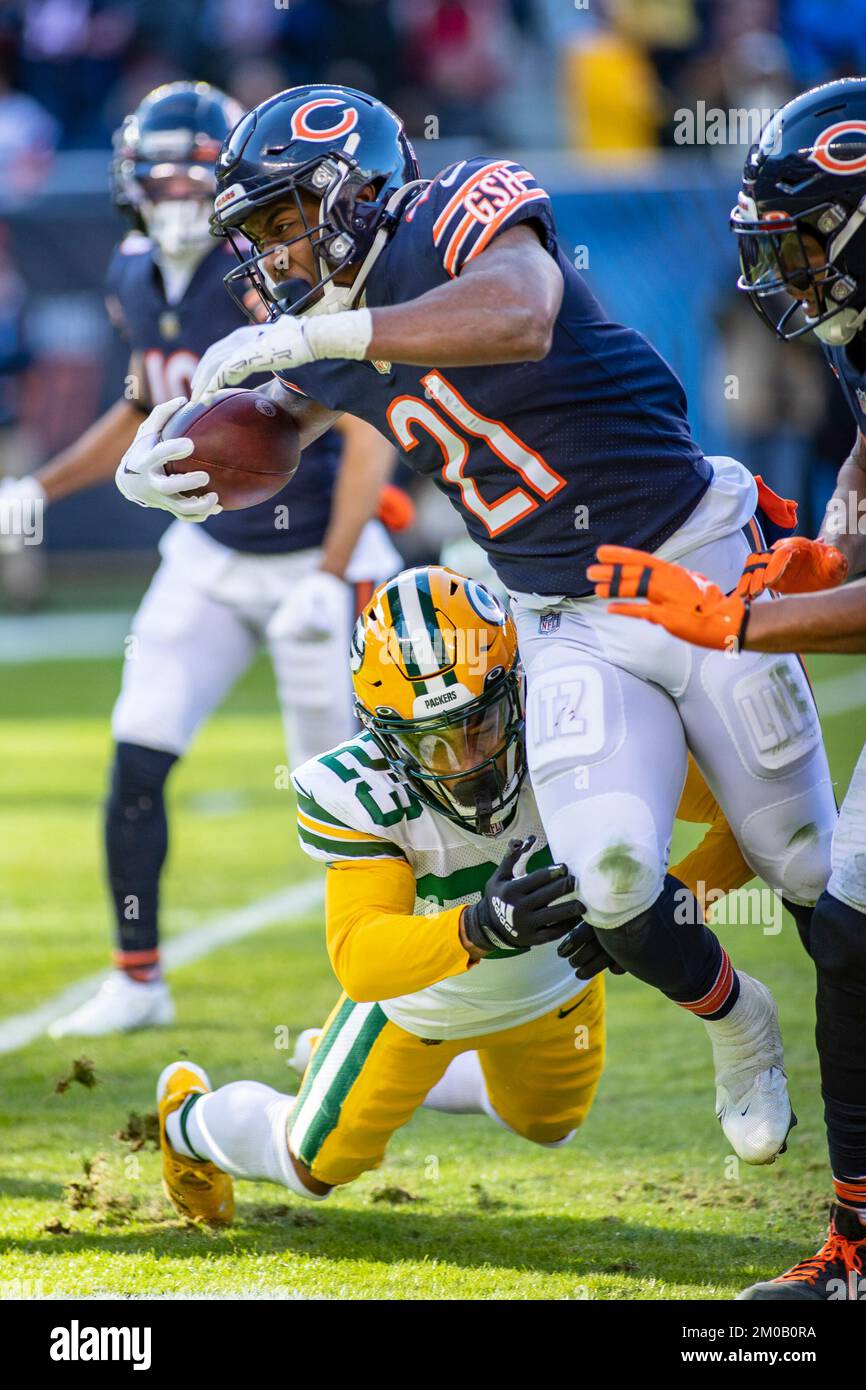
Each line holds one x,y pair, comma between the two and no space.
461,1090
242,1129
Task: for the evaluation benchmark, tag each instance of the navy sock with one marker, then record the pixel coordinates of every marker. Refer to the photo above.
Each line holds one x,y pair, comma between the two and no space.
670,947
136,844
838,939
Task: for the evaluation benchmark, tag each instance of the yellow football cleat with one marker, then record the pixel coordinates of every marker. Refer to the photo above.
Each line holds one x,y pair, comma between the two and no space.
196,1188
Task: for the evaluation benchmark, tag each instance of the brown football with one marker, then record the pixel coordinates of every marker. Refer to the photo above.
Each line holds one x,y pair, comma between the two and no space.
245,441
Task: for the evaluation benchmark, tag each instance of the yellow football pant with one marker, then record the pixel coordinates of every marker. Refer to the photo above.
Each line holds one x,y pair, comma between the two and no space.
367,1077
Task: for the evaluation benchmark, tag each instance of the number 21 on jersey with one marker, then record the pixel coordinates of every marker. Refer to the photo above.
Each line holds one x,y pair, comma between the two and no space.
449,425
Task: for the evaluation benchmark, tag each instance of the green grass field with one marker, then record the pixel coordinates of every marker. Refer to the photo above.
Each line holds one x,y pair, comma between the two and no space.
644,1204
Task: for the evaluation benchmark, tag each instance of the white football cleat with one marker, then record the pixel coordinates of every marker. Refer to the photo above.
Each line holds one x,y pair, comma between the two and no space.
119,1006
752,1101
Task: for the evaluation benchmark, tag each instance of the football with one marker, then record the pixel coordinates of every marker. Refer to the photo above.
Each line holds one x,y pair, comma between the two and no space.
247,443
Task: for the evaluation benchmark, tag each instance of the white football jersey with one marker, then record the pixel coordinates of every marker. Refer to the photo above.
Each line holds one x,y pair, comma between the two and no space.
351,806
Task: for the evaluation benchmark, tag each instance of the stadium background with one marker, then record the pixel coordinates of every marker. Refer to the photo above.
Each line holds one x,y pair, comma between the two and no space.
644,1206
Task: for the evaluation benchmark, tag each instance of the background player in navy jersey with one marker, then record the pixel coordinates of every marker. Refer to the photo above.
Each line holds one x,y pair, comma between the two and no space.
800,225
446,313
241,579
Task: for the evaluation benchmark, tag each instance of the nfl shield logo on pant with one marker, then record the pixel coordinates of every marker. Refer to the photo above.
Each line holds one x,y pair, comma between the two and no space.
549,621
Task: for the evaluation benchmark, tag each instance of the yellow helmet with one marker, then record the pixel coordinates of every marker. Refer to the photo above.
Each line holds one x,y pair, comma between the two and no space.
438,684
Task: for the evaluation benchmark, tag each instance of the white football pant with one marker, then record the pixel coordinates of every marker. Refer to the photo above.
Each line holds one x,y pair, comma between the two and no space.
612,706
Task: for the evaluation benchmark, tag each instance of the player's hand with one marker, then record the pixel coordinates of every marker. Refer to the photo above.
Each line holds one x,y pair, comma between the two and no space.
687,604
142,478
585,954
20,502
269,347
794,565
313,611
522,911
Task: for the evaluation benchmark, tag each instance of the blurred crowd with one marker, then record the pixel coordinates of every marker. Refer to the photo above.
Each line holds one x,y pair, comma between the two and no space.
70,69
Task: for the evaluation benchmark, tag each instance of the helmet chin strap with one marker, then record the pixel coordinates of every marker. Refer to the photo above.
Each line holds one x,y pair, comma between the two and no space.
337,297
841,328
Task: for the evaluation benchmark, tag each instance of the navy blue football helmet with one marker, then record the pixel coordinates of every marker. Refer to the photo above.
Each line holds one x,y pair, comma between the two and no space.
807,176
328,141
162,169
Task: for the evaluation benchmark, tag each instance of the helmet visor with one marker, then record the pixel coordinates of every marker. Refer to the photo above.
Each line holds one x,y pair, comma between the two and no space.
172,181
468,763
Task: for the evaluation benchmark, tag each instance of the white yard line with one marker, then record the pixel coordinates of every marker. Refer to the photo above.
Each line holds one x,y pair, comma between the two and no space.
288,905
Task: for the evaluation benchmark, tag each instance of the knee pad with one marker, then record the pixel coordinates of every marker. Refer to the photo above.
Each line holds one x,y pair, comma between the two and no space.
838,940
610,843
796,861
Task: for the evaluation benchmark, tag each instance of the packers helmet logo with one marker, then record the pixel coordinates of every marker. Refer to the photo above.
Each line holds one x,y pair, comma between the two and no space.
484,603
302,129
830,146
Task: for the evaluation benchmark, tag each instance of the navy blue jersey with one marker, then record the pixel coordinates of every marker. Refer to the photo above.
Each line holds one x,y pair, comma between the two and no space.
170,339
852,381
544,460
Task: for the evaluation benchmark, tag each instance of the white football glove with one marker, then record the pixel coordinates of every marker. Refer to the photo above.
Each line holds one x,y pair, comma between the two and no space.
280,346
21,502
266,347
142,478
315,609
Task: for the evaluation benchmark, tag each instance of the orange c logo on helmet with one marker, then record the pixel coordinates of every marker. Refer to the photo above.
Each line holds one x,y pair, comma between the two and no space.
820,153
304,131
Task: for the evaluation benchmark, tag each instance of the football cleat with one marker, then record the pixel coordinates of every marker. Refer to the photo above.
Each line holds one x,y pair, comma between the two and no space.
119,1006
752,1101
196,1188
835,1272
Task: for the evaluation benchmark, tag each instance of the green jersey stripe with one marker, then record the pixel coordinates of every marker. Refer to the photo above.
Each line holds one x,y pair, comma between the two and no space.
350,849
309,804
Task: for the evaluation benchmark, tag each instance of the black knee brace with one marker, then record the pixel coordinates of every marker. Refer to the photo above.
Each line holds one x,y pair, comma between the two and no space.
668,946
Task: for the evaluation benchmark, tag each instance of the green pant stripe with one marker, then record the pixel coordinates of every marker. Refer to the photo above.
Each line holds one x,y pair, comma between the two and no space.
328,1113
326,1042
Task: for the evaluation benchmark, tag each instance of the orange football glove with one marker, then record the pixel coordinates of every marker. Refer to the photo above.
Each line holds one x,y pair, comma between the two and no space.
794,565
687,604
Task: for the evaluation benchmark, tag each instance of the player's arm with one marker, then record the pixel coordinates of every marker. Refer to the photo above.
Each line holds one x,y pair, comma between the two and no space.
366,465
850,487
312,419
691,607
501,307
834,621
378,946
94,456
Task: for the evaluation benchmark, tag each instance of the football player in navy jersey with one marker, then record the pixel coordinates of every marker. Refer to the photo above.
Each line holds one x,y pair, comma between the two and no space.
286,573
799,222
445,313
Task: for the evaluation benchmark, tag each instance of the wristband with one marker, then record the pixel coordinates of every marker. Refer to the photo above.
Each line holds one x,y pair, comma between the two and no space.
741,635
346,334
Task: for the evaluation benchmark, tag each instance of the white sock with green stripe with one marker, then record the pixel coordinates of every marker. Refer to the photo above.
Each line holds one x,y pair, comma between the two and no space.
242,1128
462,1090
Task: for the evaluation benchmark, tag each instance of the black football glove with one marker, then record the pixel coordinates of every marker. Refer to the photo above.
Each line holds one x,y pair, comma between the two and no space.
585,953
522,911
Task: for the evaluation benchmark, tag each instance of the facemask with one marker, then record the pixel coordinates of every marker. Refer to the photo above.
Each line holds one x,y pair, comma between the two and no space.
178,225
